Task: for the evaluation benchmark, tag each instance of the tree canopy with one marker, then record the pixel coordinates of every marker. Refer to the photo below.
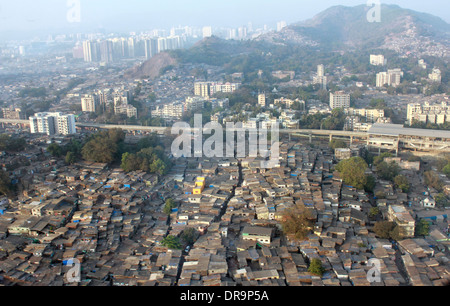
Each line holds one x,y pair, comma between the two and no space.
104,146
297,222
353,171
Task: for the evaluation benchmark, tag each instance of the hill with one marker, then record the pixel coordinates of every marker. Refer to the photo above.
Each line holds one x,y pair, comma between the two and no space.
152,68
342,27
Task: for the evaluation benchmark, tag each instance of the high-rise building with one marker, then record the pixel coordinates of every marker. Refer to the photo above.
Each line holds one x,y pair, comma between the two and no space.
321,79
52,124
106,51
262,100
89,103
151,47
90,51
339,100
202,89
320,70
391,78
131,47
207,32
281,25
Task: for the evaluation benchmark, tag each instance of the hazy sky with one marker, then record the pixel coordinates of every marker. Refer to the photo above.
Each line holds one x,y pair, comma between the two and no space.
30,16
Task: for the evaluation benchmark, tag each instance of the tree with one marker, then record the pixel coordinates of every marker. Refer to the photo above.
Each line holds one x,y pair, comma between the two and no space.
353,171
433,180
297,222
442,200
158,166
446,170
316,267
104,147
55,150
388,171
188,235
71,158
169,206
370,183
380,158
337,143
99,150
422,228
374,211
12,144
5,183
171,242
388,230
402,182
383,229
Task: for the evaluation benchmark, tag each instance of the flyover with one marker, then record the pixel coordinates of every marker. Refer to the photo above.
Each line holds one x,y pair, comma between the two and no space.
151,129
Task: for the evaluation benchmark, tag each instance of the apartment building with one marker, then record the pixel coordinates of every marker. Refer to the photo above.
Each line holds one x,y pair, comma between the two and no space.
339,100
208,89
262,100
289,102
377,60
435,76
403,219
371,115
391,78
126,109
52,124
89,103
172,111
437,113
12,113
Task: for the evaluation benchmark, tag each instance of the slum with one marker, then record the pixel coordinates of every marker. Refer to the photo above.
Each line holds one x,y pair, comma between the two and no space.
114,224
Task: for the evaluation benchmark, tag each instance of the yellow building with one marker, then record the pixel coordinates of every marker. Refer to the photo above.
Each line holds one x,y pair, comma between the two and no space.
199,185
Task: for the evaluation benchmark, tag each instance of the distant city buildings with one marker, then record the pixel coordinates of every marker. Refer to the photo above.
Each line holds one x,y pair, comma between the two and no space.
262,100
207,32
52,124
176,110
378,60
320,78
121,105
371,115
339,100
438,113
289,103
435,76
281,25
89,103
12,113
283,74
109,50
390,78
422,64
208,89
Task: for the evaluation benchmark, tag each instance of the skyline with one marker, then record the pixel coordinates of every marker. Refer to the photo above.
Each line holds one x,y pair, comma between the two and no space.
29,18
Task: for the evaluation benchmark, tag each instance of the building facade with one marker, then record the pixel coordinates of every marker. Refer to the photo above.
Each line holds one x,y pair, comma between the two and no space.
339,100
52,124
